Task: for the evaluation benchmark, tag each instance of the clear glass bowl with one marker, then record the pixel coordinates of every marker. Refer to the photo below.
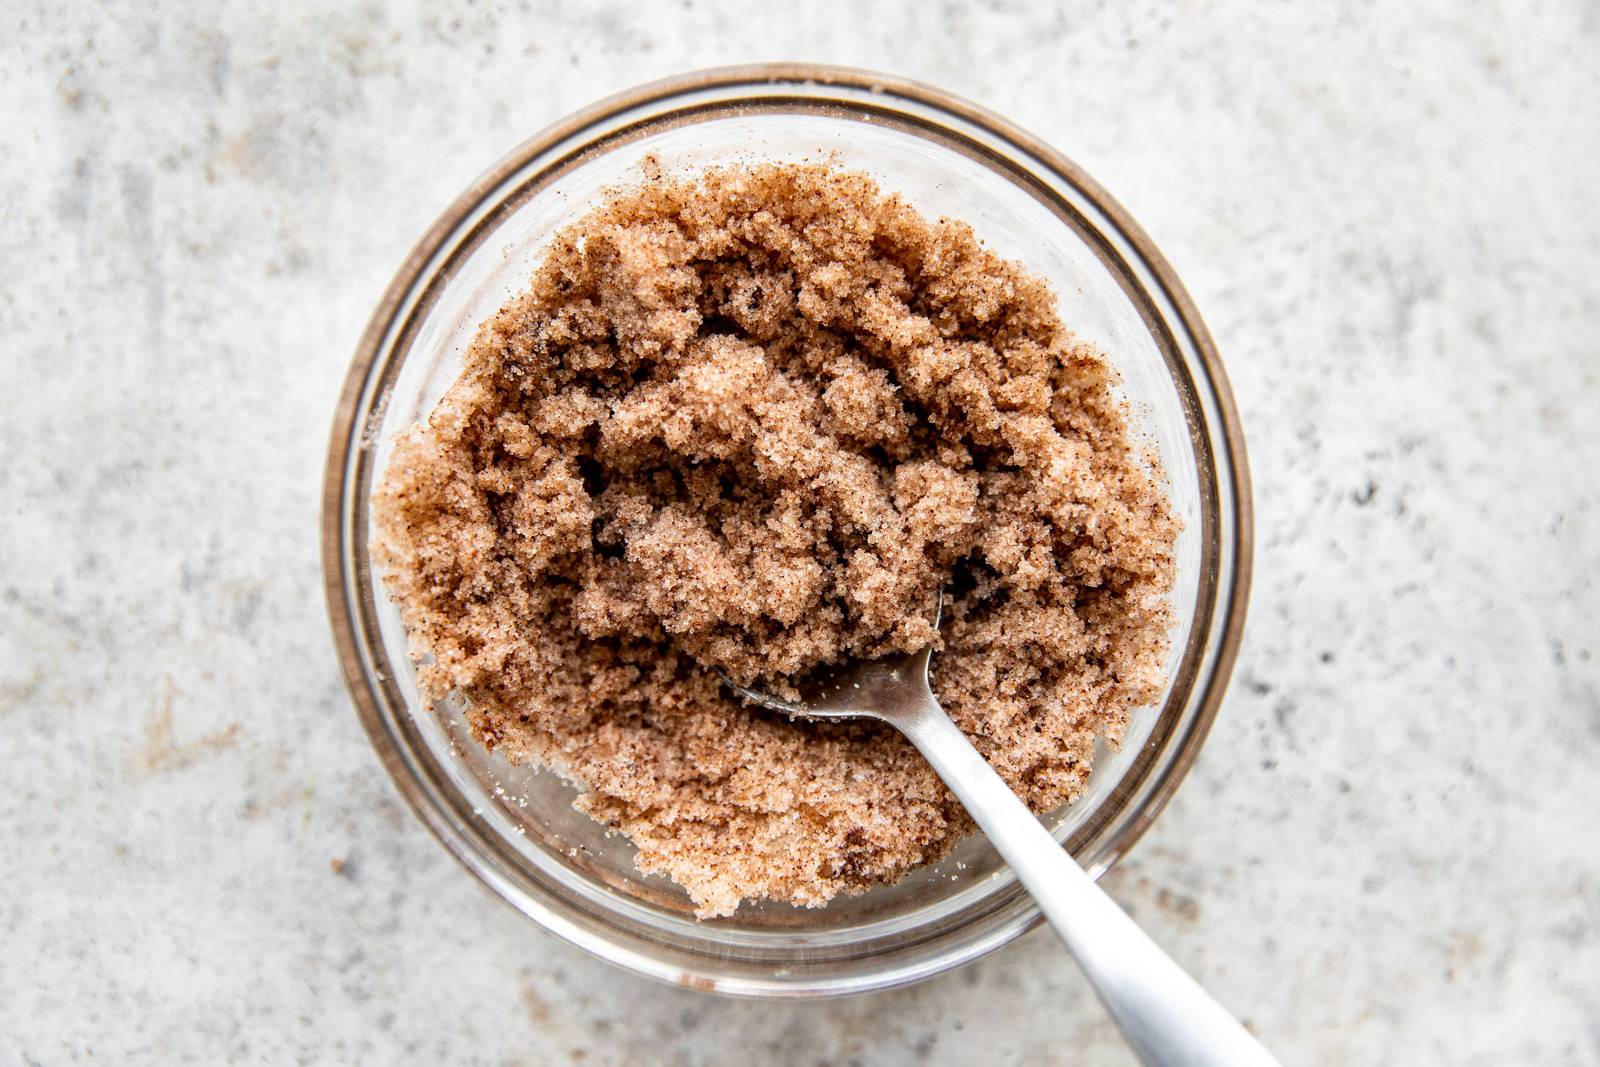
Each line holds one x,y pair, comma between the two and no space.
513,827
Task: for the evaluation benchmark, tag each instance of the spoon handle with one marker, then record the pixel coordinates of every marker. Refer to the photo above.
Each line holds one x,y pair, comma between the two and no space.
1168,1019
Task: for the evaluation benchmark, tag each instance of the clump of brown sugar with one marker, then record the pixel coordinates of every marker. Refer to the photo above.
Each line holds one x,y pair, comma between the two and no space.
753,421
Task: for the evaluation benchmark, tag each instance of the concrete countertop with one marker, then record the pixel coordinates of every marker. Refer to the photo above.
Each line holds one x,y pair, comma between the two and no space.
1387,214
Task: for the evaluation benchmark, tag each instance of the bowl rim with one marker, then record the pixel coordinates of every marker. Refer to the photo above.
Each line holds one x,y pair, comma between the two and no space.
1231,596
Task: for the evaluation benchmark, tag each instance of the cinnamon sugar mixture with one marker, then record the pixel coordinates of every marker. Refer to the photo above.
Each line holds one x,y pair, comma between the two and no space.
753,421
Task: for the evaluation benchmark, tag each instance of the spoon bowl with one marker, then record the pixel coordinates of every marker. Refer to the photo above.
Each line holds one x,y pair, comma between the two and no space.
887,688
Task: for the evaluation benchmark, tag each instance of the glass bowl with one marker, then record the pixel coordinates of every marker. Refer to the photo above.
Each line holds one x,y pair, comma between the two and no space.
515,828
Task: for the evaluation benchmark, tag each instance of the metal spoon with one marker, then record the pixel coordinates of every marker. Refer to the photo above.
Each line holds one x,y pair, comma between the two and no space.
1168,1019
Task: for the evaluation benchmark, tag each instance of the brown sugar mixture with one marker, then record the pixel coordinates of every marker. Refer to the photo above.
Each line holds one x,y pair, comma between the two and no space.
753,421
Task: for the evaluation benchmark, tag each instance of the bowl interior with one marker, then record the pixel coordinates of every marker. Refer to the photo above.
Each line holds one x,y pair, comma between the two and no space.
529,810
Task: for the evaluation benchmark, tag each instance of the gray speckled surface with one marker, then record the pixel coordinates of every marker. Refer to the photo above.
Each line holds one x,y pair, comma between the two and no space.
1388,215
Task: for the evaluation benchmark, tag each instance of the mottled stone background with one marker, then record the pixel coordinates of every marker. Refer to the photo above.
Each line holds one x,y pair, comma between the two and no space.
1388,214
